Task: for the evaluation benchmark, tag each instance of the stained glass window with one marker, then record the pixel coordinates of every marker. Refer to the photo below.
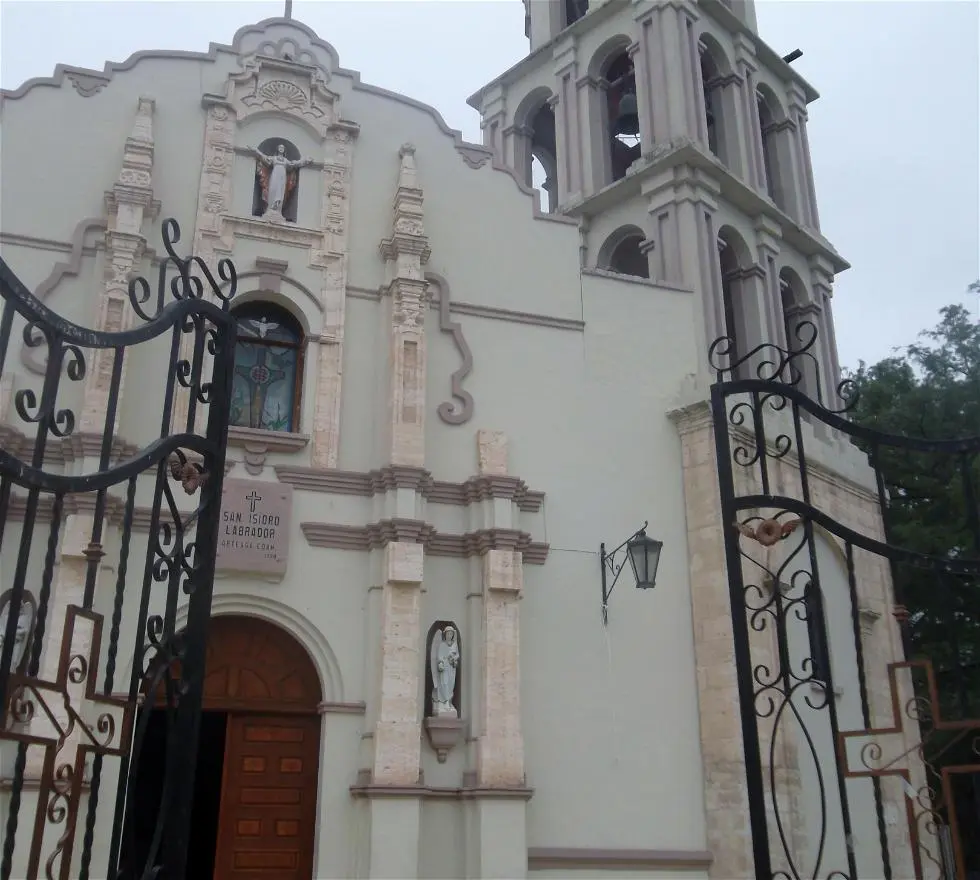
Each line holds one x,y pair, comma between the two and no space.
268,376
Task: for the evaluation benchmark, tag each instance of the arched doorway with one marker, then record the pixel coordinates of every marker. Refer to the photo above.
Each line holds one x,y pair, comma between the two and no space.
258,757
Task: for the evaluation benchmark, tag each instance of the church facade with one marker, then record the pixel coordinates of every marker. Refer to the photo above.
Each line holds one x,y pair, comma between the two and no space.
461,369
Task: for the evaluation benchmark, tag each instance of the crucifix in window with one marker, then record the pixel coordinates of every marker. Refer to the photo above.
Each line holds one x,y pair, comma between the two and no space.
266,383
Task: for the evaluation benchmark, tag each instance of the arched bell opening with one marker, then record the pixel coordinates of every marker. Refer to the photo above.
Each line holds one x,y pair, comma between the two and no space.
622,114
622,253
544,158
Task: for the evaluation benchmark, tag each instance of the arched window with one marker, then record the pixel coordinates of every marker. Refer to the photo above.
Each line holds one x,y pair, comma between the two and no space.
796,318
268,376
770,116
730,277
544,177
622,114
743,321
270,147
535,147
720,99
573,10
621,253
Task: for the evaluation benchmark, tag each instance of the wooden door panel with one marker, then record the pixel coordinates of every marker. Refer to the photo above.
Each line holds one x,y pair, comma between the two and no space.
268,800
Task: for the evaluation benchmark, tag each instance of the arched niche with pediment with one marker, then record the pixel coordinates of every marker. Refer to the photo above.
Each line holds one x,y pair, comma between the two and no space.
304,190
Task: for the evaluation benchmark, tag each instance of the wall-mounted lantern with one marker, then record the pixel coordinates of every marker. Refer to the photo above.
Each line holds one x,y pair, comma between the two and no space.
643,553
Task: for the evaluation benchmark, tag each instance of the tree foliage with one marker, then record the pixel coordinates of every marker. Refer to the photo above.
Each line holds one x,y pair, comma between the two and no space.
931,389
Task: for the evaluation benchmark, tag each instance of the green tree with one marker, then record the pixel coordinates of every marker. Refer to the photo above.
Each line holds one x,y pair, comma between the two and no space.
931,389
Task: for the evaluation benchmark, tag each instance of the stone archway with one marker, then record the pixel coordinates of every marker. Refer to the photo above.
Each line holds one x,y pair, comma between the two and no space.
258,757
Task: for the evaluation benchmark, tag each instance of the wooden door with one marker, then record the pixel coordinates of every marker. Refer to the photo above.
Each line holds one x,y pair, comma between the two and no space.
267,824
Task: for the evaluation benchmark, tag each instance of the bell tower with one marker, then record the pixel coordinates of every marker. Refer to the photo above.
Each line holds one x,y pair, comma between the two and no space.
678,138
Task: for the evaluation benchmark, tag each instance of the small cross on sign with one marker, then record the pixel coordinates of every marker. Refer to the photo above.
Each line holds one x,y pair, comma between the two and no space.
252,500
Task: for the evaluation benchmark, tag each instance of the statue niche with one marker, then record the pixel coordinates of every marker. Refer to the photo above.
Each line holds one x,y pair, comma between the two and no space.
443,722
277,165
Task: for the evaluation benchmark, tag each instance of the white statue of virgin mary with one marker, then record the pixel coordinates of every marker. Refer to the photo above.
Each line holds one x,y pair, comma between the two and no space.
444,661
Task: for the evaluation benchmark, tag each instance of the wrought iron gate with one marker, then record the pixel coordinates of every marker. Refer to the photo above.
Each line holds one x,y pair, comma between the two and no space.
71,727
856,766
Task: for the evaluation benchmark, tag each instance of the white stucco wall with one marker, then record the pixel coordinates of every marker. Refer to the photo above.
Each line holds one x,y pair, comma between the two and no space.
577,371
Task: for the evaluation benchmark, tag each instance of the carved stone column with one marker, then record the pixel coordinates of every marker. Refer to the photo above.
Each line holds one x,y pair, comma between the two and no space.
128,203
406,252
214,201
335,222
398,728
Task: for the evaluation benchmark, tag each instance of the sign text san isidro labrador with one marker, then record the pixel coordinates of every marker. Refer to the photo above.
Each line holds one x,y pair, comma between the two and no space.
254,531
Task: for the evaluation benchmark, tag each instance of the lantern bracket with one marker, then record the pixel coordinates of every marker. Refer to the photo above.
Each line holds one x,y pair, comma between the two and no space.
612,568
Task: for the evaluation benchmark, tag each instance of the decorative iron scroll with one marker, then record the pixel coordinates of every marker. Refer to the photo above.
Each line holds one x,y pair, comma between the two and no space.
61,712
778,366
770,427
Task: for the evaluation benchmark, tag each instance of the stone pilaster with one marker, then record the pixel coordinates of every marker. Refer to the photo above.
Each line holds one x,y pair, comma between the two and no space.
801,154
405,253
500,755
644,100
768,236
666,39
725,800
397,730
822,290
568,129
493,120
397,737
128,204
518,139
747,66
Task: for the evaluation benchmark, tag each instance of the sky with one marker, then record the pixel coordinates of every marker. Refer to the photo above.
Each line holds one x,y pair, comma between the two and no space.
895,135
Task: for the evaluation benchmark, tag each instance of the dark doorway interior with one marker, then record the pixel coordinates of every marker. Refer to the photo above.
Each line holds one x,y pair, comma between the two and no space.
150,778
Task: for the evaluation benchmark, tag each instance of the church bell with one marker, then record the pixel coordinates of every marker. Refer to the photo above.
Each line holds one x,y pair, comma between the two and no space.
627,120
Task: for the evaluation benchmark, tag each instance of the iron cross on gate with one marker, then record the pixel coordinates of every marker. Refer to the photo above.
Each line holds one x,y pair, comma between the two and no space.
898,750
97,724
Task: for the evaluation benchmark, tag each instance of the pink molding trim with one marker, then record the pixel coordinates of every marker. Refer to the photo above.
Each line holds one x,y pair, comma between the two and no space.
335,708
542,858
369,790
